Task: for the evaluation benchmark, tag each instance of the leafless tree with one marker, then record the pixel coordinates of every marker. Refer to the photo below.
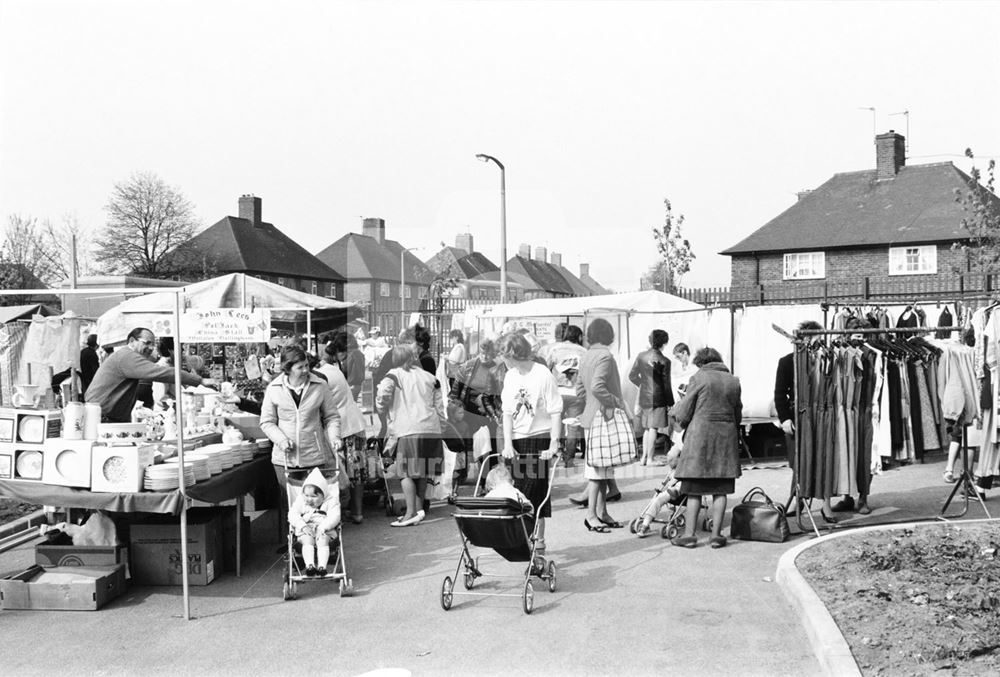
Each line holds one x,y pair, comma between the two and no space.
674,249
147,219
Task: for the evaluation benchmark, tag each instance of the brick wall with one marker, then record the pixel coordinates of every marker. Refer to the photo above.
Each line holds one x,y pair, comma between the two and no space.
841,265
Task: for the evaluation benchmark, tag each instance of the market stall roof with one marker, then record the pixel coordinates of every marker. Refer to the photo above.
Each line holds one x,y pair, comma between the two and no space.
11,313
235,290
630,302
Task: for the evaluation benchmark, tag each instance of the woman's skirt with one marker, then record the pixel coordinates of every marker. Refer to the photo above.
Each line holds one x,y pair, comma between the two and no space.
531,472
714,486
418,456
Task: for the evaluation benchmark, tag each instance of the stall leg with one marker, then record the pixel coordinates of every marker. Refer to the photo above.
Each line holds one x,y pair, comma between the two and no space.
239,536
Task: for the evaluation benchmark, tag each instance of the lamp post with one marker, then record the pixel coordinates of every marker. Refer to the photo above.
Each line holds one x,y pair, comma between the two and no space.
503,224
402,285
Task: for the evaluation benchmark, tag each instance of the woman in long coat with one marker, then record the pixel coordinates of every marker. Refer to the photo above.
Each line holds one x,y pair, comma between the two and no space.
710,412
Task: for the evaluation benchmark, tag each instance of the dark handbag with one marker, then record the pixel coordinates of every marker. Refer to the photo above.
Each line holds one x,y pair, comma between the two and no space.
760,520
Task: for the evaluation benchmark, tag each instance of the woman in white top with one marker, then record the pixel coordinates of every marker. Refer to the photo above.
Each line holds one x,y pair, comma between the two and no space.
414,407
457,356
532,408
352,427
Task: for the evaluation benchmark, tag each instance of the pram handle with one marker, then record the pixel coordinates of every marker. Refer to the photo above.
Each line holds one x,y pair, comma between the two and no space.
555,459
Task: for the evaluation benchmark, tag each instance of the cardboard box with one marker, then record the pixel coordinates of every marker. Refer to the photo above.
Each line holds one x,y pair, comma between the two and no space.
57,550
29,462
34,426
248,424
7,422
6,461
62,588
155,548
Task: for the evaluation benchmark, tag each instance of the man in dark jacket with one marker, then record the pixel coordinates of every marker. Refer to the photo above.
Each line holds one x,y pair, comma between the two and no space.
117,380
651,374
89,363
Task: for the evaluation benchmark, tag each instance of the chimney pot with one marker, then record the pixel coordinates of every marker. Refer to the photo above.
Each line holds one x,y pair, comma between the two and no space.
555,259
890,155
374,228
463,241
250,209
524,251
541,254
584,270
802,193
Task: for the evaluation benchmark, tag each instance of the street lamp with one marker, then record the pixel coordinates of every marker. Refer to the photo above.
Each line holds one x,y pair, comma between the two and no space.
503,224
402,285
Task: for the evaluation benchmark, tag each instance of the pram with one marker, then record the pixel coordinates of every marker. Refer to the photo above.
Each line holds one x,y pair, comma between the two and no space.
675,522
294,574
510,529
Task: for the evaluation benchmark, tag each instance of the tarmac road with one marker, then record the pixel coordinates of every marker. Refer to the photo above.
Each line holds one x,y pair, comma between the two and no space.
622,605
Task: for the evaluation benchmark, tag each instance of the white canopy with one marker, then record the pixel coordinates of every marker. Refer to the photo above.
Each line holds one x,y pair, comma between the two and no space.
631,302
235,290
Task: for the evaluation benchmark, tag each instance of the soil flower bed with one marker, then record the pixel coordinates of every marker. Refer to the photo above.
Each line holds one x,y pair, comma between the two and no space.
923,601
11,509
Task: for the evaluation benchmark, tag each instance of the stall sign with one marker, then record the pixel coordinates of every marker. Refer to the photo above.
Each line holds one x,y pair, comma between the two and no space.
226,325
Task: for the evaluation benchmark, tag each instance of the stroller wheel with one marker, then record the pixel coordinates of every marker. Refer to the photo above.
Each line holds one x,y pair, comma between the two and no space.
346,587
708,524
470,580
680,521
633,525
669,532
528,597
286,591
446,589
551,575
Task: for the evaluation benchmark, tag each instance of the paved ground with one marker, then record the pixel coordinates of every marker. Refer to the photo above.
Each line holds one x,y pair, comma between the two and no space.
623,605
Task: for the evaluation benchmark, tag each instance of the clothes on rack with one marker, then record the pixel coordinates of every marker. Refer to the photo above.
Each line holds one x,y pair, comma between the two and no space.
986,322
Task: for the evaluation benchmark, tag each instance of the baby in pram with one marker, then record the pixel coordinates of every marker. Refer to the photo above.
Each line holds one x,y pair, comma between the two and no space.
670,492
315,515
500,484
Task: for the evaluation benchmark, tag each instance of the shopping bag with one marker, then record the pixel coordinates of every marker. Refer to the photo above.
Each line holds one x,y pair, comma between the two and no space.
252,367
611,440
760,520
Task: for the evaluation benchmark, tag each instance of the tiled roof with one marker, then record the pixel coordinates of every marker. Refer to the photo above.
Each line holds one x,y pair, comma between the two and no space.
596,288
546,276
475,264
854,209
362,258
579,287
237,246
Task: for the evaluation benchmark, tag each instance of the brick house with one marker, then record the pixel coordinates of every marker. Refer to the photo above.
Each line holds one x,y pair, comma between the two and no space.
864,234
372,265
246,244
477,276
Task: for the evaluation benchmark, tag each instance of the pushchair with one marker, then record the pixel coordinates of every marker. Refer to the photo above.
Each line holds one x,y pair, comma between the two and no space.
509,528
677,517
295,572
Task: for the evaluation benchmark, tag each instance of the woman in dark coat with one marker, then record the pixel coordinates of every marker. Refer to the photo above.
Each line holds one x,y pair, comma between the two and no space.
710,412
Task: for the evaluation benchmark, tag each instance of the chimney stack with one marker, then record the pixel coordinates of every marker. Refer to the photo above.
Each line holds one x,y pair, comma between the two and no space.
250,209
374,228
463,241
584,270
555,259
802,193
890,155
541,254
524,251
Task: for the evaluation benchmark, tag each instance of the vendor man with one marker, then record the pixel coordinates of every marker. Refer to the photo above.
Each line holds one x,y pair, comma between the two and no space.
116,381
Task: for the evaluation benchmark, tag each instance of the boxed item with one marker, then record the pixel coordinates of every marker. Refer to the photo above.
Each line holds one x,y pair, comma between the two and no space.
67,462
62,588
34,426
121,433
28,462
119,469
6,461
7,421
155,548
57,550
248,424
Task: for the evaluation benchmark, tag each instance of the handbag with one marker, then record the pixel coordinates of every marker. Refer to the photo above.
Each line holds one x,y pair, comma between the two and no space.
759,520
611,440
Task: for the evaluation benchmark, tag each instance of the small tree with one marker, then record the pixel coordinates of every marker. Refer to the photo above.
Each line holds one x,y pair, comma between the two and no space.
673,248
982,219
147,219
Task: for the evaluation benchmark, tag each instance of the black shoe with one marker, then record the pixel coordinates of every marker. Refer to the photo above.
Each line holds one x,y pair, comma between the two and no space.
844,505
611,498
311,571
320,571
581,502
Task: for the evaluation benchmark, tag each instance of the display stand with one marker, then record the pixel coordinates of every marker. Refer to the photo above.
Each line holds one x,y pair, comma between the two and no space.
965,482
797,339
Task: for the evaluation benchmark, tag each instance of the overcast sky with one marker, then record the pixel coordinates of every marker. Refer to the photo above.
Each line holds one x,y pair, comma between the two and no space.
331,112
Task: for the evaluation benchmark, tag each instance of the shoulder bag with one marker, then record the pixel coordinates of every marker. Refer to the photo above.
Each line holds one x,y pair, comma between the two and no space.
759,520
611,440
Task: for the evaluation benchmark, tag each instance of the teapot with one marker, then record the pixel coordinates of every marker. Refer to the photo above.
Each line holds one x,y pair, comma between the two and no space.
26,395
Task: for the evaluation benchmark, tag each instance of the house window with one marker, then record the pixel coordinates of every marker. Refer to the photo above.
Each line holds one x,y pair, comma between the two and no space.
917,260
805,266
422,293
407,292
281,281
315,288
383,289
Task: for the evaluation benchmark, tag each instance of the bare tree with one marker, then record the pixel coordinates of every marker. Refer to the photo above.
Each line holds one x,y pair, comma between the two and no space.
674,249
68,245
146,220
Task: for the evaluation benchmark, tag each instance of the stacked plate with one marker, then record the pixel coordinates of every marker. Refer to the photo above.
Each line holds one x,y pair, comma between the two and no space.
197,468
224,455
163,477
246,450
214,461
264,446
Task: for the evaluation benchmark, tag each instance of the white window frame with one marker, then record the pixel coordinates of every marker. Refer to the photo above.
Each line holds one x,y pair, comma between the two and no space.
422,293
913,260
383,289
408,291
804,266
281,281
315,288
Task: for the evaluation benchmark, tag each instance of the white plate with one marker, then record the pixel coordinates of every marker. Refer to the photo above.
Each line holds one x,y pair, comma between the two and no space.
29,465
68,462
32,429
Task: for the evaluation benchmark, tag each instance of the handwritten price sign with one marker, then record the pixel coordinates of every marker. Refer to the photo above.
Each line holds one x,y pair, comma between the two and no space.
226,325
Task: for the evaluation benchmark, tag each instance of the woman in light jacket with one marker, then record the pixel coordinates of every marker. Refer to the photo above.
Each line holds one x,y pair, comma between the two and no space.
299,416
414,407
599,382
710,413
352,425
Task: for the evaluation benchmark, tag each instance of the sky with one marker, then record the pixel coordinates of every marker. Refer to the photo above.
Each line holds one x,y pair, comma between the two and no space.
335,111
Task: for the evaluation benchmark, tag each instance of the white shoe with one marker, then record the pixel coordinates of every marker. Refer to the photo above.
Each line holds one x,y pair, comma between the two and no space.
419,517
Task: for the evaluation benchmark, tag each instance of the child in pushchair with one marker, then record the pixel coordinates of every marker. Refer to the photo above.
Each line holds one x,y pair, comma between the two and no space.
668,493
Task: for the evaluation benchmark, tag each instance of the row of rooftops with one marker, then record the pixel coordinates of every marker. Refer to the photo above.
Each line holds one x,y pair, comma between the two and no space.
246,243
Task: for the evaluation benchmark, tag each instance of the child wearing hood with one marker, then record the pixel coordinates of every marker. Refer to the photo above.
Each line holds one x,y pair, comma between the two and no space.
315,515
